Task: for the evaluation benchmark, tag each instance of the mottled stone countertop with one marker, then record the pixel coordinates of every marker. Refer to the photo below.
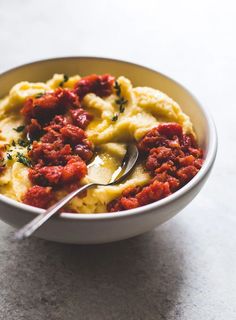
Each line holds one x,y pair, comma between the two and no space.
183,270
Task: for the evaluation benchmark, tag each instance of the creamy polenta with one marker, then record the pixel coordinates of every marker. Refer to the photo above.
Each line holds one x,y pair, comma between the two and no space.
123,115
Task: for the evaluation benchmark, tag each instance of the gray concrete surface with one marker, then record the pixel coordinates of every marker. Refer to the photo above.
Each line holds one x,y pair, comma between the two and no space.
185,269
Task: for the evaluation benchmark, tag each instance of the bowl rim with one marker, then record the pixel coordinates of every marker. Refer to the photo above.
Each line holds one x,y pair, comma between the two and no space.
208,163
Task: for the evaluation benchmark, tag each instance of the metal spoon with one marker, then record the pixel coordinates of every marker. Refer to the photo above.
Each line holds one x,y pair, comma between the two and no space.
127,165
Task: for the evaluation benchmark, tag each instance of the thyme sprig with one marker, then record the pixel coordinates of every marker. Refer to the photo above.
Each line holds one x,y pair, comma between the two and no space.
117,88
23,143
9,156
65,79
39,95
115,117
121,101
19,129
20,157
23,159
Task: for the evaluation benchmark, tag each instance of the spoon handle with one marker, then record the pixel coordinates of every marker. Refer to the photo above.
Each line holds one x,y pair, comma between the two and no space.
38,221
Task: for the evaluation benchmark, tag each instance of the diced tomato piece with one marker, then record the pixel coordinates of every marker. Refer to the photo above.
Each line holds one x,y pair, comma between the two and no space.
73,171
40,197
186,161
58,122
100,85
185,174
50,153
73,134
157,156
129,203
46,176
80,117
84,150
170,130
52,136
43,108
155,191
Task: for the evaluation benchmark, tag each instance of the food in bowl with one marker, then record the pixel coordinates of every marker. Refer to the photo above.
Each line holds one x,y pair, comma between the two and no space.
51,132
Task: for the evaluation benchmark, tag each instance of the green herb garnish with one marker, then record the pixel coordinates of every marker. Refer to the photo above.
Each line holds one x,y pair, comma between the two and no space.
19,129
39,95
9,156
24,160
115,117
13,143
122,108
117,88
65,79
23,143
121,101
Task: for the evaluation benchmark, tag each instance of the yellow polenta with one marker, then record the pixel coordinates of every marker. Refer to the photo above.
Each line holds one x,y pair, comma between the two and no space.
145,108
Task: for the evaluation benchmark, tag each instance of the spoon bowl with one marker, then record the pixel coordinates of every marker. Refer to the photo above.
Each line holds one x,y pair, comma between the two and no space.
127,165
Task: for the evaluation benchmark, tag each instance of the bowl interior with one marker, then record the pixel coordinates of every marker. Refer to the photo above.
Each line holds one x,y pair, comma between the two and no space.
139,76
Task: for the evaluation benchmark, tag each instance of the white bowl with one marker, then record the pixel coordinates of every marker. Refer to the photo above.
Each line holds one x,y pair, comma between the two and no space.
107,227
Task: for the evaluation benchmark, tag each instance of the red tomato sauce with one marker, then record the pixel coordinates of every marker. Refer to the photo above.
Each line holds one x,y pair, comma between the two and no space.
172,159
60,149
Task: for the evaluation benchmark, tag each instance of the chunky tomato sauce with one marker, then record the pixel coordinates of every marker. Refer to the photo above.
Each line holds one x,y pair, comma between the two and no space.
60,149
171,158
